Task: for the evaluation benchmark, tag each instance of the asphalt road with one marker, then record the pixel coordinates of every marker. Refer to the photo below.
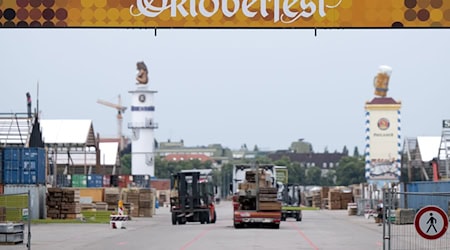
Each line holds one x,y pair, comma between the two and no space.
320,229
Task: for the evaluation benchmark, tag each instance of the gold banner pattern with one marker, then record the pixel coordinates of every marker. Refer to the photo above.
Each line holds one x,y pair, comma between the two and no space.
225,13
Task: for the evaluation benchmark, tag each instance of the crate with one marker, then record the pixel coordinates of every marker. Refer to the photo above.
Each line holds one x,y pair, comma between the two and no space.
11,227
404,216
11,238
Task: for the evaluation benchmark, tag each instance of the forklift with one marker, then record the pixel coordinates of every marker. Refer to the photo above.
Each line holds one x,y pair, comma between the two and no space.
291,202
192,198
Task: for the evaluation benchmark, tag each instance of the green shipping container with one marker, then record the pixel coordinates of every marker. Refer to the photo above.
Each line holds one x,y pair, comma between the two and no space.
79,180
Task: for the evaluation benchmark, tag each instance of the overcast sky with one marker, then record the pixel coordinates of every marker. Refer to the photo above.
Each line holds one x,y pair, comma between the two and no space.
258,87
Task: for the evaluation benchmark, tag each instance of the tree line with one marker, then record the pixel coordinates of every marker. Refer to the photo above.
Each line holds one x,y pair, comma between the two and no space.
349,171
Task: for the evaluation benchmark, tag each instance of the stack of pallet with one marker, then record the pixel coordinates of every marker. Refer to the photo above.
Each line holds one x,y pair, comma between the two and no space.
145,203
325,202
112,197
346,198
404,216
11,233
101,206
316,200
334,199
63,203
268,199
132,196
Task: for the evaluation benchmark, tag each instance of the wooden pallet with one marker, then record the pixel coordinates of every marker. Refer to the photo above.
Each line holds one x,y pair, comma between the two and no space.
11,243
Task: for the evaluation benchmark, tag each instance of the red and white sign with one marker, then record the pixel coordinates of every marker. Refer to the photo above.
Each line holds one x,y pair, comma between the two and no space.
431,222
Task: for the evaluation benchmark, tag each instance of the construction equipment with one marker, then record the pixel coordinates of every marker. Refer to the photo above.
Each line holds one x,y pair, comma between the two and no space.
192,198
120,110
255,196
291,201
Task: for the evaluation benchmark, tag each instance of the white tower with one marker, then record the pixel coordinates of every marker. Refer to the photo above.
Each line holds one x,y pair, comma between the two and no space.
142,128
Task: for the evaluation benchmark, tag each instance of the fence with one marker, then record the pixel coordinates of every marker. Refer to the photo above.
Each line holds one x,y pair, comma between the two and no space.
416,220
14,214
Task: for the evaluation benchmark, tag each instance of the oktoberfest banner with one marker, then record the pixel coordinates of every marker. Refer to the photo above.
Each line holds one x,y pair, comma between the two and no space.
225,13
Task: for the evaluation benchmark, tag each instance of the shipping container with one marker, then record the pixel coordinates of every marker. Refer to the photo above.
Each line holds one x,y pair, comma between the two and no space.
33,165
122,181
114,181
94,180
141,181
106,180
38,208
79,180
11,153
418,201
23,166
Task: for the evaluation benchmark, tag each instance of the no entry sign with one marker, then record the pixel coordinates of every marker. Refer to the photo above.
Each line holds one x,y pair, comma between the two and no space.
431,222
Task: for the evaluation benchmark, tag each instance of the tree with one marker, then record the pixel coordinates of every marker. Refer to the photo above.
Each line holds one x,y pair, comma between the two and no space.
256,149
350,171
328,178
125,163
313,176
356,152
345,150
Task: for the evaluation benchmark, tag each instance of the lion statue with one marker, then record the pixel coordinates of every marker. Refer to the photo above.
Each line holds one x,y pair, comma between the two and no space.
142,75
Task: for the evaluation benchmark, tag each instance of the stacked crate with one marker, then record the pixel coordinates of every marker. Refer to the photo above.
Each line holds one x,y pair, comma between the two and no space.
334,199
267,198
63,203
404,216
54,199
346,198
132,196
324,197
70,205
145,202
316,200
112,197
11,233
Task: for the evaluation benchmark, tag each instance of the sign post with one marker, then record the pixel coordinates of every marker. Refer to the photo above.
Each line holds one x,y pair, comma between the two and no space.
431,222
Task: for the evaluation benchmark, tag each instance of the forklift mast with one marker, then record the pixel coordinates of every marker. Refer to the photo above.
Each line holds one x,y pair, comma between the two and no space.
192,193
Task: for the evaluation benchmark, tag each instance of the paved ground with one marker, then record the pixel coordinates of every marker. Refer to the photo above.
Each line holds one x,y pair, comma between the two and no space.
322,229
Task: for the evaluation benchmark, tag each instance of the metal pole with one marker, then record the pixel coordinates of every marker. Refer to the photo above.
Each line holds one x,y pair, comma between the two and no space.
29,220
385,238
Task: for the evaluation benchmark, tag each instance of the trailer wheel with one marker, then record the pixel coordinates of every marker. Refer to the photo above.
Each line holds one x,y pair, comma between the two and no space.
237,226
174,218
276,226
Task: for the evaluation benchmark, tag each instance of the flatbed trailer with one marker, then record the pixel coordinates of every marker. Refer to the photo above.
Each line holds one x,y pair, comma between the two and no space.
247,217
255,200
